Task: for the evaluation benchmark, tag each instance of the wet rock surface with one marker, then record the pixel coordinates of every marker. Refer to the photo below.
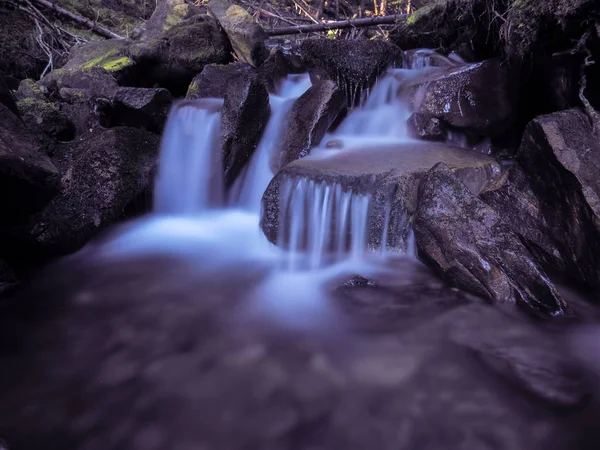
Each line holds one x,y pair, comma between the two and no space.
28,178
353,64
277,66
138,108
561,156
475,97
100,175
310,118
471,247
245,110
425,127
402,368
391,174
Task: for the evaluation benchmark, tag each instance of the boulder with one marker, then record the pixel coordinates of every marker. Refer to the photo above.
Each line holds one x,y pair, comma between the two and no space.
561,157
354,64
174,58
7,277
112,55
244,115
166,15
470,246
246,36
28,179
423,126
214,80
475,97
277,66
47,117
145,108
390,174
95,82
513,199
101,175
309,119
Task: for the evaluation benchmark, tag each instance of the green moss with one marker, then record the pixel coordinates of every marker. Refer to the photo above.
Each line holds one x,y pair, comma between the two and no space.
110,61
34,107
423,11
176,15
192,90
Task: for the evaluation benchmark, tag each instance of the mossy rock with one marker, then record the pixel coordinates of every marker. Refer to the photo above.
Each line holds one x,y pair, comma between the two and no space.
111,55
172,60
246,36
96,81
167,14
29,89
40,113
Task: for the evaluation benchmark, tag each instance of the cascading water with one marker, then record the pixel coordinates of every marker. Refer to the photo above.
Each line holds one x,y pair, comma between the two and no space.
321,224
189,176
250,186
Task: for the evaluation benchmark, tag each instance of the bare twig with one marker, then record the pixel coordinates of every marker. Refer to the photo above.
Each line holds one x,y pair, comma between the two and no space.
308,14
338,25
77,19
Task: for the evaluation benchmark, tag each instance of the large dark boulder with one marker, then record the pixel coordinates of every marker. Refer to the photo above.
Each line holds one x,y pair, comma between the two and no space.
28,179
470,246
353,64
101,175
309,119
513,198
174,58
145,108
246,36
42,114
474,97
245,111
561,157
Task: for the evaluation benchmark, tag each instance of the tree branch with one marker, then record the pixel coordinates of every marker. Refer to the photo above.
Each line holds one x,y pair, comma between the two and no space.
338,25
78,19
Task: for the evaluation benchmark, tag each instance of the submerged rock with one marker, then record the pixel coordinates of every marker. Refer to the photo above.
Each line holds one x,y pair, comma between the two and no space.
28,179
101,175
245,111
143,108
353,64
474,97
471,247
390,174
310,118
246,36
118,364
561,156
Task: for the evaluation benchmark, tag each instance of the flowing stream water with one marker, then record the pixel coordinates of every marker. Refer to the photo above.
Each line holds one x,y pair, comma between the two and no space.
324,228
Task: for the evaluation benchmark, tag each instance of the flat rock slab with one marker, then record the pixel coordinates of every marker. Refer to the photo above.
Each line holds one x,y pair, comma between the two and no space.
390,173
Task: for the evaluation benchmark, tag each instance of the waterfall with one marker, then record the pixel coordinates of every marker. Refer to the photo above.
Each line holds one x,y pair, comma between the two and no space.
189,178
321,224
251,184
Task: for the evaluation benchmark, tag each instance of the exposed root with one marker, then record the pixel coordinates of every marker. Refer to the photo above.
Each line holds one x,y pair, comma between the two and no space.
587,62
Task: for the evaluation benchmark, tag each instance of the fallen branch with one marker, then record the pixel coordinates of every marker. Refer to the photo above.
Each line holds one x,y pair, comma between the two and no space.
77,19
337,25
